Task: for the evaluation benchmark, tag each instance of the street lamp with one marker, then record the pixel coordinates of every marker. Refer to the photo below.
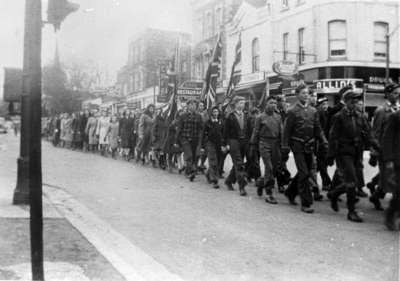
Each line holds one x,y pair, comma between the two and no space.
387,36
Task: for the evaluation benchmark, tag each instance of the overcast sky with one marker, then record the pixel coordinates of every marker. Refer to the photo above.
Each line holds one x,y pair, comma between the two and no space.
99,31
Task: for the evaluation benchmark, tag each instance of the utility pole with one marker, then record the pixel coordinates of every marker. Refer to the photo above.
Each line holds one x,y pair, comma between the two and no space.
32,84
387,38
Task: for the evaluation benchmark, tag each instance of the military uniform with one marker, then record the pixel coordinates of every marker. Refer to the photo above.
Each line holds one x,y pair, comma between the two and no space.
301,130
267,134
349,134
391,153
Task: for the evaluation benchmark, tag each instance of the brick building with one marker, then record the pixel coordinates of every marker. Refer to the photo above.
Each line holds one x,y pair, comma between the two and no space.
138,80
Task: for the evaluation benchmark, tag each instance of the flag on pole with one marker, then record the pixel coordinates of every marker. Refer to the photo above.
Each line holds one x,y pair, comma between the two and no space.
209,93
172,84
265,94
235,73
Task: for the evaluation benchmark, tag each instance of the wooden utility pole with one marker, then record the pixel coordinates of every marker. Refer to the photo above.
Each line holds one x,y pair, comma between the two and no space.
32,81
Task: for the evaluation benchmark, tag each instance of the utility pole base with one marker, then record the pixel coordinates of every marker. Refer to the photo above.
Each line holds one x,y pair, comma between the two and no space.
21,192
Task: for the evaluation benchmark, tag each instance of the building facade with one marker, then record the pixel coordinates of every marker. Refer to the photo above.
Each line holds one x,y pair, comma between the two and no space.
334,43
210,18
138,80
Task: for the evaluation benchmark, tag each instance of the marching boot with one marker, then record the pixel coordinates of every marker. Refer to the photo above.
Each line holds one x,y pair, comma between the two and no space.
354,217
307,210
242,190
229,185
377,203
334,194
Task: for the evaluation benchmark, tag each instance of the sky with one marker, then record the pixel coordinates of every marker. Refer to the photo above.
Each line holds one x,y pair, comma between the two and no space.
99,32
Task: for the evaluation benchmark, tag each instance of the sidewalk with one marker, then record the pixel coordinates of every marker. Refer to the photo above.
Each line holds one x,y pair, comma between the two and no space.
67,254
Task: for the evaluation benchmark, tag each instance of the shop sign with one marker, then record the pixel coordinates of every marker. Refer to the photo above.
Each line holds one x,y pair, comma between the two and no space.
285,68
189,92
376,88
330,86
252,78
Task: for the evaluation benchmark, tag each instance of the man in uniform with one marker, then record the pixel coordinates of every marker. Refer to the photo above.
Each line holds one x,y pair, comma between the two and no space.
391,158
267,135
350,132
301,130
381,117
189,133
237,133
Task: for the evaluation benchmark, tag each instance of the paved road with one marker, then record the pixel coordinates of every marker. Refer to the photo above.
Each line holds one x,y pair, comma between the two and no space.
204,234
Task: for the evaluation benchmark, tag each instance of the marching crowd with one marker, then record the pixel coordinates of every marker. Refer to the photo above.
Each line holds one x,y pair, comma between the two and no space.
318,136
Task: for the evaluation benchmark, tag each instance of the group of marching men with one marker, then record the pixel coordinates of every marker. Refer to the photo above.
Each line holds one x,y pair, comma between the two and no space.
317,135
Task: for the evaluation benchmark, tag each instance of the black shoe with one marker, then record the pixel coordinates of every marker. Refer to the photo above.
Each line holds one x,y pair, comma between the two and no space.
334,202
259,191
318,197
229,185
215,186
292,201
191,177
361,193
376,202
181,170
208,178
354,217
307,210
371,187
392,220
281,189
271,200
242,192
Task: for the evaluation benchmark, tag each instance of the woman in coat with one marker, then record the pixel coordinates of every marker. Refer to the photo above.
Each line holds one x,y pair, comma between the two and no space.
124,134
101,131
113,136
144,132
68,133
90,131
76,131
169,149
159,134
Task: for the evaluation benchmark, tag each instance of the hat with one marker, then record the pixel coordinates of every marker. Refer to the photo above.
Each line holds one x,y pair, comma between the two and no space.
391,87
321,100
351,95
237,99
344,90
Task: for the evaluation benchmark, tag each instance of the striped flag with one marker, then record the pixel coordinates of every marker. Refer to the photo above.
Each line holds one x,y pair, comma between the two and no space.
235,73
172,107
209,93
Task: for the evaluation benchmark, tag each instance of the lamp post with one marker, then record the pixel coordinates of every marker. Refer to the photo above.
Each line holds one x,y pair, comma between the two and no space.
387,37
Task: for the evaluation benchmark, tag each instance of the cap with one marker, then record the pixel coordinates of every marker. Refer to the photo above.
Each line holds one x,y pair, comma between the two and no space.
351,95
321,100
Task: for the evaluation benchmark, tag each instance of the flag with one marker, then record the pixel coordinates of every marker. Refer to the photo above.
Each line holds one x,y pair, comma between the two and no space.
235,73
172,107
209,93
265,94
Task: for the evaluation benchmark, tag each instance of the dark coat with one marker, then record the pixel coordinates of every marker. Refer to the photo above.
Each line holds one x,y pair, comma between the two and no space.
349,134
391,139
302,129
124,132
213,132
232,127
170,139
159,132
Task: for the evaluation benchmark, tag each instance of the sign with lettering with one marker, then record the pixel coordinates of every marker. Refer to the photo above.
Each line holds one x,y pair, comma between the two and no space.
189,92
252,78
331,86
285,68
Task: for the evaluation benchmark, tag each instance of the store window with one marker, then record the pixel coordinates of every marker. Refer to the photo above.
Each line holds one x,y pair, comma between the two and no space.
380,31
337,38
255,51
285,45
301,45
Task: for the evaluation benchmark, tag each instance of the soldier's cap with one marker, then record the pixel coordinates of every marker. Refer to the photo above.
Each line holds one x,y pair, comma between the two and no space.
344,90
237,99
391,87
321,100
351,95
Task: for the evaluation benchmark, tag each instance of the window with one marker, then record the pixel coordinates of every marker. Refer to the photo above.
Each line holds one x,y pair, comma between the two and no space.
255,54
301,45
285,45
380,31
337,38
218,19
285,4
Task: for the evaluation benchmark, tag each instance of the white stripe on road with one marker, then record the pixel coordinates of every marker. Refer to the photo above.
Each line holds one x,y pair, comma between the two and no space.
132,263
